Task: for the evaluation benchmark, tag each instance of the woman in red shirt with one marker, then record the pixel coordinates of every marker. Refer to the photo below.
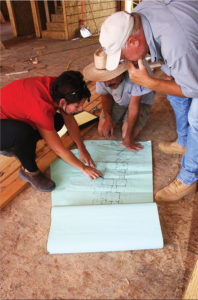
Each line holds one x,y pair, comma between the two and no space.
36,108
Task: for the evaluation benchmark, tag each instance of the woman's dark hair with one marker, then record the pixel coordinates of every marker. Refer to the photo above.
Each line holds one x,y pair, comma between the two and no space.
71,86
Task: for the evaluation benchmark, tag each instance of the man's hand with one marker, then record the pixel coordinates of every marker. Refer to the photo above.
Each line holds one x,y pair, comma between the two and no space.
107,128
92,173
142,77
85,157
139,75
131,145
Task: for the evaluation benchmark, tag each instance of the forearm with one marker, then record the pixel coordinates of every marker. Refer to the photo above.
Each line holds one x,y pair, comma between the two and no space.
131,124
68,157
133,112
141,76
107,104
73,130
55,143
165,86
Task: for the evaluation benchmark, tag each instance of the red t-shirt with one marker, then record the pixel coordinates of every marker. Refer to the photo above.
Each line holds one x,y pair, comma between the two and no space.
29,100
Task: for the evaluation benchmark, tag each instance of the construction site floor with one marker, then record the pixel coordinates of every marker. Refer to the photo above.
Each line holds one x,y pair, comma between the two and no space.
28,271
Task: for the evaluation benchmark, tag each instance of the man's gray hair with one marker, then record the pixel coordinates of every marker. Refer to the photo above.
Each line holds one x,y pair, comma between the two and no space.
137,23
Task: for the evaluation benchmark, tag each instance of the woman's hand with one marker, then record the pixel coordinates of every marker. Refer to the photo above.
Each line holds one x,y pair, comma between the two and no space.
92,173
85,157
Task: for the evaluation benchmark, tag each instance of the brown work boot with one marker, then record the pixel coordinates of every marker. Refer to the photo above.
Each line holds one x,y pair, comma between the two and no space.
176,190
37,180
171,148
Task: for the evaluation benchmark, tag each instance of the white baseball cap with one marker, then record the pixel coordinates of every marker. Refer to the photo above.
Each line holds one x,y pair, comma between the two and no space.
114,34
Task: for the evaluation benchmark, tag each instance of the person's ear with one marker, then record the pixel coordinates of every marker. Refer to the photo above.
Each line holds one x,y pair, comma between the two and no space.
63,104
133,41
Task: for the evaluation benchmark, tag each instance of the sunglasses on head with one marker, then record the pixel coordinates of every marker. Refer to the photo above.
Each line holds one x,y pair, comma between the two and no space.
76,92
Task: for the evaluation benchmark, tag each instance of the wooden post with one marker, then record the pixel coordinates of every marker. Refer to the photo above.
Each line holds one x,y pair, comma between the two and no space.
12,17
65,19
47,11
123,5
55,6
36,18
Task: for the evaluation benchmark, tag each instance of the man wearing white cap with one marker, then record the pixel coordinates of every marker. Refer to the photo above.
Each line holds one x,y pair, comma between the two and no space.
168,30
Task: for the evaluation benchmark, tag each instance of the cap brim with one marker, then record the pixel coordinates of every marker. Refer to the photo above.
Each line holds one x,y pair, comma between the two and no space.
113,60
93,74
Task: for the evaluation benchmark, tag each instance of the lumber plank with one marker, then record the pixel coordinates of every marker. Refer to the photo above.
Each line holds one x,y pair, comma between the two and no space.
10,164
36,18
9,169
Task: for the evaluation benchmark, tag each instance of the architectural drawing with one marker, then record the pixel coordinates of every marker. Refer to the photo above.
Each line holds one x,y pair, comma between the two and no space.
127,176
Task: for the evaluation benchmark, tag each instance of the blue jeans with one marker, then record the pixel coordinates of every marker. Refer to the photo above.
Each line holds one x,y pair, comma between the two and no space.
186,113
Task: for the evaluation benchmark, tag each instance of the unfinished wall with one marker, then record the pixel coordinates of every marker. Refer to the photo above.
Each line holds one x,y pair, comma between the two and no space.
4,10
22,17
92,13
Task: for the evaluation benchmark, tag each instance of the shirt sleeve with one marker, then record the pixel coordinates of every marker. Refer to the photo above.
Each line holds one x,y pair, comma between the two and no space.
166,69
185,73
100,88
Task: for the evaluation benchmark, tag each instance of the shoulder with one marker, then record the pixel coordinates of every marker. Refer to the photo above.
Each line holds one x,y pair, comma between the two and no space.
101,88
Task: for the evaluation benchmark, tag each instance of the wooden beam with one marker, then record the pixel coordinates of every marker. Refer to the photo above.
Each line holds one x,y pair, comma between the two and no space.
36,18
47,11
65,19
12,17
55,6
123,5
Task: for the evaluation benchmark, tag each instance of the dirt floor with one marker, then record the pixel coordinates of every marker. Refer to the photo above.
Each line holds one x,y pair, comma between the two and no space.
28,271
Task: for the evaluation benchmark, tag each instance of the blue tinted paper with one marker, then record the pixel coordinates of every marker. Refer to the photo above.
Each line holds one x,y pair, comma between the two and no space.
111,214
127,176
99,228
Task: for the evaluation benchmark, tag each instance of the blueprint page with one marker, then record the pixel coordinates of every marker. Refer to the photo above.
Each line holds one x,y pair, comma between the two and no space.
127,176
